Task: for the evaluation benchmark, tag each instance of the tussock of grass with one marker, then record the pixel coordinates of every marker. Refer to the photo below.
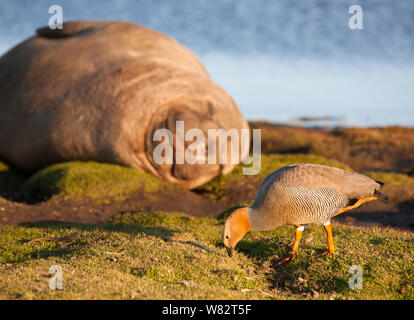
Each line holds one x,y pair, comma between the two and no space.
91,179
391,178
110,182
158,256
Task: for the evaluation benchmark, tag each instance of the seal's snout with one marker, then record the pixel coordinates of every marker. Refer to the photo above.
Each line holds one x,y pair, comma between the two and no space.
230,251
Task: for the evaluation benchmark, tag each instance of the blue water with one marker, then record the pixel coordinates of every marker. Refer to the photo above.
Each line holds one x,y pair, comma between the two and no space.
280,60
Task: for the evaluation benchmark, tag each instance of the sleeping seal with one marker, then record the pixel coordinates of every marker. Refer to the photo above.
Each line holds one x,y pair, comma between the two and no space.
99,90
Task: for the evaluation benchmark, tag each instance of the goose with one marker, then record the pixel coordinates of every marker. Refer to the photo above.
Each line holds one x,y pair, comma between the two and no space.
301,194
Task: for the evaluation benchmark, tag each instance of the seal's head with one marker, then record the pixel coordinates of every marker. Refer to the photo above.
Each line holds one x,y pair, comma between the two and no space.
189,134
236,226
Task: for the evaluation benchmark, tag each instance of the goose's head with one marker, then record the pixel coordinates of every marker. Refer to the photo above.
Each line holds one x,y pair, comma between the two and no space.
236,226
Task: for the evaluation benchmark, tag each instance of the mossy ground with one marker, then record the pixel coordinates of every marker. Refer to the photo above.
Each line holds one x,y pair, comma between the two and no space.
391,178
158,256
100,181
109,182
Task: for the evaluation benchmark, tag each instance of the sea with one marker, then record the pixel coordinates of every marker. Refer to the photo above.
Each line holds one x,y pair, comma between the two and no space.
323,63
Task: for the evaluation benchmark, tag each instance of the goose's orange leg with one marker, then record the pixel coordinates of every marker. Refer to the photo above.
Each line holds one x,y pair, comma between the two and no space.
331,246
295,246
356,204
328,228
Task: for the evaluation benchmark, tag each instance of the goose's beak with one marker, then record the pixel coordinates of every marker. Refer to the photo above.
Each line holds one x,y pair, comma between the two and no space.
230,251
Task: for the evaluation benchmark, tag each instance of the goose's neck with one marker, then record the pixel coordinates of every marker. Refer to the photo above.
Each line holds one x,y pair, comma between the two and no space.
260,221
254,219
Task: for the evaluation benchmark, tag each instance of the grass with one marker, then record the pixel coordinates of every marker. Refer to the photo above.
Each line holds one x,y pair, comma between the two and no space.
161,255
158,256
391,178
109,182
91,179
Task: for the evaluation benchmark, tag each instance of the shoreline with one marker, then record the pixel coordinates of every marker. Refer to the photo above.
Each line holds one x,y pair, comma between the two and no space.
302,124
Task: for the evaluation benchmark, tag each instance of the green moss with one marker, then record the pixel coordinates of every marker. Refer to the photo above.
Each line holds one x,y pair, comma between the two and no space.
391,178
91,179
163,256
160,218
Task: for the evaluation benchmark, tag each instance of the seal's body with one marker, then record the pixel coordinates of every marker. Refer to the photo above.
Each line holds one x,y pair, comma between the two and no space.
98,91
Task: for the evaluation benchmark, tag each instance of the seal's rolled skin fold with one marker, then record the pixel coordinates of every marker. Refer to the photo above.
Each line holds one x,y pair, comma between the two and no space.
98,91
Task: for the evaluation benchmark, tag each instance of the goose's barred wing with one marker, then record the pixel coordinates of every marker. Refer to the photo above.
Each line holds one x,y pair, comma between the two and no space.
307,193
282,199
313,176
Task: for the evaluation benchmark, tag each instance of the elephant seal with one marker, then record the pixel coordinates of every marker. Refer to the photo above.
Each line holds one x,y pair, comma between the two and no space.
98,90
